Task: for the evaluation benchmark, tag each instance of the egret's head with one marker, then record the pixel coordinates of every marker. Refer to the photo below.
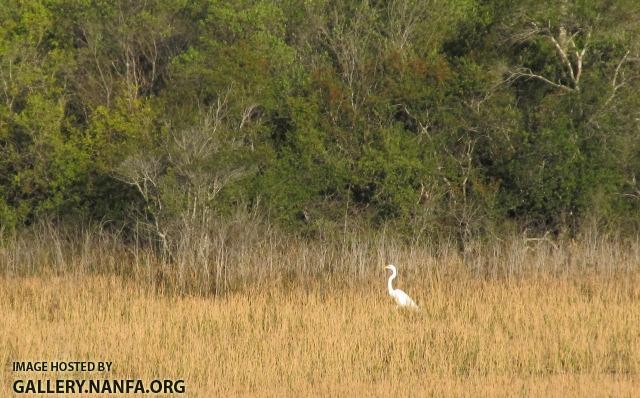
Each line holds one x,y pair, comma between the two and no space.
390,267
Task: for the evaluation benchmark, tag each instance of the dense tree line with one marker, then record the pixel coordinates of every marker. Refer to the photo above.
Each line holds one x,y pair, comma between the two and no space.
461,117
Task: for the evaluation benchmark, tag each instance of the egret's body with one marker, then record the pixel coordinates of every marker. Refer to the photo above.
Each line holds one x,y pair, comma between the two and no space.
401,298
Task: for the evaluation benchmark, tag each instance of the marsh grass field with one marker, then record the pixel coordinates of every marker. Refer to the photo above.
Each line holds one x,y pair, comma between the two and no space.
565,322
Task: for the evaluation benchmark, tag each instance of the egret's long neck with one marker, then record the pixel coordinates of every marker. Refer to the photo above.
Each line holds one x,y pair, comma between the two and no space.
391,278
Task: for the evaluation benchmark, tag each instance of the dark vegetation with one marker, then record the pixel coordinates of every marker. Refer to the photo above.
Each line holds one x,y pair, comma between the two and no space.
448,119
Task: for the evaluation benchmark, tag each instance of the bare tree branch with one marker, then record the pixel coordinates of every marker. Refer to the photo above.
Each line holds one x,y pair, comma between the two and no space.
572,62
527,74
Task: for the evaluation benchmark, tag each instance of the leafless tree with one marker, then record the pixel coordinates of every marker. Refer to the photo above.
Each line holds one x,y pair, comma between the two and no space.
570,54
350,39
180,182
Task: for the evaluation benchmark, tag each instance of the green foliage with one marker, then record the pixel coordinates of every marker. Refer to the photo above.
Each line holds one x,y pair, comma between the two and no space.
443,117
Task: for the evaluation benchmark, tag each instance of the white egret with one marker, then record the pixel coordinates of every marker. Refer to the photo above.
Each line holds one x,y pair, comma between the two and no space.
402,299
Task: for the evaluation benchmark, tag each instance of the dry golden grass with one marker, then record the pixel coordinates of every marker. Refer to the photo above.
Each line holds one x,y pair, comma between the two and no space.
528,336
240,311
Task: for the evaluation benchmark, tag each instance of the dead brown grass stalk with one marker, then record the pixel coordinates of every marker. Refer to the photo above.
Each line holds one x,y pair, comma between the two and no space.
525,317
535,337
